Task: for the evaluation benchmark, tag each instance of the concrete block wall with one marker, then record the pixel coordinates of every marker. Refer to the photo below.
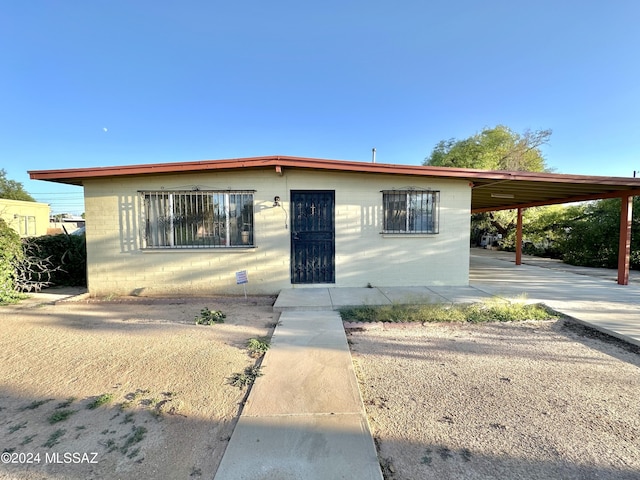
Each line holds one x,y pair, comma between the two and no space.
118,265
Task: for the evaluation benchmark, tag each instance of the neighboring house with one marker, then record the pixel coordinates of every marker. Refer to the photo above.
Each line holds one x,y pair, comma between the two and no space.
29,219
70,224
188,228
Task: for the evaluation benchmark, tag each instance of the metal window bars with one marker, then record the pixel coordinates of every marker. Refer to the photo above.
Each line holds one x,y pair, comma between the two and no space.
411,211
196,219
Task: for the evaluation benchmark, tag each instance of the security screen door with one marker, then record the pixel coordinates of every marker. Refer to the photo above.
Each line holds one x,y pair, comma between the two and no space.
313,236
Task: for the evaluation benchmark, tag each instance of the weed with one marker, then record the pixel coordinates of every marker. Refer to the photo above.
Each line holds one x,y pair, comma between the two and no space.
136,436
466,454
60,416
445,453
246,378
195,472
104,432
54,438
139,393
497,311
134,452
15,428
80,427
128,418
35,404
110,444
99,401
28,439
258,346
489,311
207,317
66,403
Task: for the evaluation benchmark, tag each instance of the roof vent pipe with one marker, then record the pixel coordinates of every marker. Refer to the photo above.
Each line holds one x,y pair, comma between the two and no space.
373,155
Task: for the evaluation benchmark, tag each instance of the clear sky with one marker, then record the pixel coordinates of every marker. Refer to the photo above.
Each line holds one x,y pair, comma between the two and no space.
117,82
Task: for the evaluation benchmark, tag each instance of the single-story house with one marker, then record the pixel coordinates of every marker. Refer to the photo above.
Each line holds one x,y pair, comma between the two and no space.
290,222
28,219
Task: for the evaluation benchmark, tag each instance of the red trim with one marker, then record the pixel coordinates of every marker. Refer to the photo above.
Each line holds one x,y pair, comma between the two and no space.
624,245
66,175
519,238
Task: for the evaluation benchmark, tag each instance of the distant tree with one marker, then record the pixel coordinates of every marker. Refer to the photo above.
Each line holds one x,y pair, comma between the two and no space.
13,190
497,148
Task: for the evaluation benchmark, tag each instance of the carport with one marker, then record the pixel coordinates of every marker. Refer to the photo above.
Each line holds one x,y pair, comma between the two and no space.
493,191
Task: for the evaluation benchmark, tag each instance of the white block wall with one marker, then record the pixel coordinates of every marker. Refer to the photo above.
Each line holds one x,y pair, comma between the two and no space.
117,264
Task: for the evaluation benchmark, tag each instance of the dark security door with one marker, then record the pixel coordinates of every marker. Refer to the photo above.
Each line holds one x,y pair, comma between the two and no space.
312,236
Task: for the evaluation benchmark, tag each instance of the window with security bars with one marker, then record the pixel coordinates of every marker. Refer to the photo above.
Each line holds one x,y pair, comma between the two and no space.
411,211
197,219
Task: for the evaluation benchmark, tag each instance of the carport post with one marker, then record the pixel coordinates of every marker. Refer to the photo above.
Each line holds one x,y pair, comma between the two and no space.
624,246
519,238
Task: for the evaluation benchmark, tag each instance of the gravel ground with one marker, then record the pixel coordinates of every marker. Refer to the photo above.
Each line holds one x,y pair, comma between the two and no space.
532,400
171,411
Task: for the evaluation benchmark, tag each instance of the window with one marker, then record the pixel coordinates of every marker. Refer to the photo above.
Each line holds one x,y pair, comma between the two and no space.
26,225
410,211
197,219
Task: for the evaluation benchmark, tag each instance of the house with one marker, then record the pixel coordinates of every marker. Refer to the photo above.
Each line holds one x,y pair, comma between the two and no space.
28,219
289,222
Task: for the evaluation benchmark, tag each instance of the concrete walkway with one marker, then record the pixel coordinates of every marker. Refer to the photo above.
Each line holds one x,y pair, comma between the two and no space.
304,419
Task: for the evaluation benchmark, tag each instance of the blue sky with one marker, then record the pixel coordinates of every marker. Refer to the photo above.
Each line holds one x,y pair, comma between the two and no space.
116,82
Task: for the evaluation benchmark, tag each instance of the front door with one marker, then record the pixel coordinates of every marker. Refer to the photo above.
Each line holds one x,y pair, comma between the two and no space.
313,236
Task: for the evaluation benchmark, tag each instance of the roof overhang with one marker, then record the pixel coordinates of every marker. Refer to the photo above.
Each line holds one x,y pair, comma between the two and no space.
491,190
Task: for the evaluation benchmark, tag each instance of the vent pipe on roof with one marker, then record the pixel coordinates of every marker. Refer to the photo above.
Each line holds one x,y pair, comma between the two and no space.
373,155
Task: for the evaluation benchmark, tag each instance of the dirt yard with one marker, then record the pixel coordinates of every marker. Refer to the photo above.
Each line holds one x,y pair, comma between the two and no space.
169,410
498,401
541,400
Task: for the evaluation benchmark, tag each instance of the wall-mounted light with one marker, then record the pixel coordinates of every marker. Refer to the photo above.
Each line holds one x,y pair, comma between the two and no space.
502,195
276,201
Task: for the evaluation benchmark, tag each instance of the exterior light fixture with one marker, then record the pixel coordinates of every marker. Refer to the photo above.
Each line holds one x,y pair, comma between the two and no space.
502,195
276,201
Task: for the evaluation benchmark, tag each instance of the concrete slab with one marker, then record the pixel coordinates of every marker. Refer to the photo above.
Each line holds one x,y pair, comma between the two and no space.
311,329
310,447
304,380
415,295
595,301
460,294
301,299
312,369
351,297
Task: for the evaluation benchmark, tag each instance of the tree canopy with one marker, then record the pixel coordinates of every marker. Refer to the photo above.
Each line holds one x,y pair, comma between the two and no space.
497,148
12,190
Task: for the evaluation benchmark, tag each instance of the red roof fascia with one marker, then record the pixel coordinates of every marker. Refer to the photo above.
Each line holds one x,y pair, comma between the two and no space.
77,174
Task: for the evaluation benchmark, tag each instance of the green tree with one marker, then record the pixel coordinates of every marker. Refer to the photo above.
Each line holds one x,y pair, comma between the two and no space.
13,190
592,239
497,148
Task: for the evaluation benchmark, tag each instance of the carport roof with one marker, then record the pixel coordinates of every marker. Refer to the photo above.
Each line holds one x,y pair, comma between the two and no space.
492,190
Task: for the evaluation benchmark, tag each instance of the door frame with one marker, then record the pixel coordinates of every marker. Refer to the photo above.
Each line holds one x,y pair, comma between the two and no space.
313,238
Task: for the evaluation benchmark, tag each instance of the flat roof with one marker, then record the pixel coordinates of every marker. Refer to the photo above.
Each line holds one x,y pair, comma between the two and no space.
492,190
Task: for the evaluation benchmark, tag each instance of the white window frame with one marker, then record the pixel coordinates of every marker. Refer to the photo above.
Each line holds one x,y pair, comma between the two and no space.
411,212
196,219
